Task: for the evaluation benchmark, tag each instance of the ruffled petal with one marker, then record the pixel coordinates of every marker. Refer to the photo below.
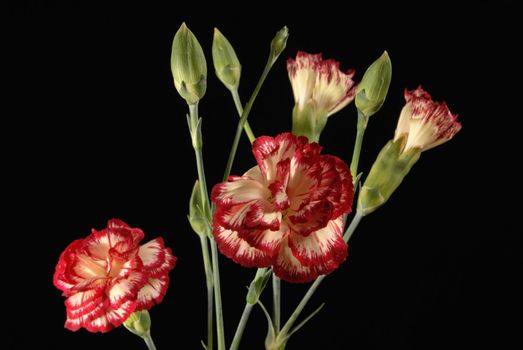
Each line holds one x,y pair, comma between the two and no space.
311,217
111,318
124,289
323,249
239,250
152,292
289,269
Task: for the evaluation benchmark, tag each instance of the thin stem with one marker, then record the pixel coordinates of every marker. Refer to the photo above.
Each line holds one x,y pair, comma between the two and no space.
220,333
197,145
239,108
276,297
352,227
243,119
241,326
210,293
246,312
149,341
362,125
290,322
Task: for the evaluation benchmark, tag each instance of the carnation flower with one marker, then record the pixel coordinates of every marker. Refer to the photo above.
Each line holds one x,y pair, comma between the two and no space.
287,211
425,123
108,275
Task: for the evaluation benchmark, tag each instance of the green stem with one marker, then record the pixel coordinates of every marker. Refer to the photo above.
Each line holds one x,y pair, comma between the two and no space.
246,312
210,292
220,333
196,137
244,117
362,125
149,341
239,108
276,297
241,326
290,322
352,227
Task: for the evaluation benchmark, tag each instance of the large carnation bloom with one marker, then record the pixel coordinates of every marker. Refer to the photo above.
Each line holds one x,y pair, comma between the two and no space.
287,211
108,275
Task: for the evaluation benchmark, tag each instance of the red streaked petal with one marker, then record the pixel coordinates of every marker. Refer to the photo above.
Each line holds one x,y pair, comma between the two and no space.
239,250
152,292
343,203
265,240
168,264
261,216
112,318
152,253
241,190
311,217
269,151
324,249
289,269
124,289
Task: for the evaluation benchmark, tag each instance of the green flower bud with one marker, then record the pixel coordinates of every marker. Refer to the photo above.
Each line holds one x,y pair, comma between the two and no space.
188,66
388,171
278,43
139,323
226,63
374,86
196,212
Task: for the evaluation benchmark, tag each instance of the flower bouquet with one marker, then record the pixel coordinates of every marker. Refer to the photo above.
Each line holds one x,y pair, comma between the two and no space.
290,214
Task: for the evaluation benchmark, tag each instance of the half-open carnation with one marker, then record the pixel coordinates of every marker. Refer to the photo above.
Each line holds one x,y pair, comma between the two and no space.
287,211
426,123
108,275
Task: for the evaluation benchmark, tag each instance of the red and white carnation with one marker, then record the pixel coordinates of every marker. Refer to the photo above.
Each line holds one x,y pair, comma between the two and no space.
287,211
425,123
108,275
320,83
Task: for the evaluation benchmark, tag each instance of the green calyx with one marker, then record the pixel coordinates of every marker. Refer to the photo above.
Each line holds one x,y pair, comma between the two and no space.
139,323
387,173
308,121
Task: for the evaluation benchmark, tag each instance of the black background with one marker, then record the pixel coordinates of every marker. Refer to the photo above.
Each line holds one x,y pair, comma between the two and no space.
93,128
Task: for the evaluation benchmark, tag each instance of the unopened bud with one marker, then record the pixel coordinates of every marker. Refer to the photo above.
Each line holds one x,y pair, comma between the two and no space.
188,66
374,85
226,63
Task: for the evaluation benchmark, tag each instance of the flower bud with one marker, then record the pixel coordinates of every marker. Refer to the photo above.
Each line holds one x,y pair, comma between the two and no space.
374,86
226,63
388,171
278,43
188,66
139,323
196,214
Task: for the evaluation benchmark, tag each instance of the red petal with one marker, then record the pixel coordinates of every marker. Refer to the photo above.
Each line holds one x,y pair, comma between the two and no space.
152,253
112,318
239,250
152,292
289,269
343,204
311,217
323,249
124,289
